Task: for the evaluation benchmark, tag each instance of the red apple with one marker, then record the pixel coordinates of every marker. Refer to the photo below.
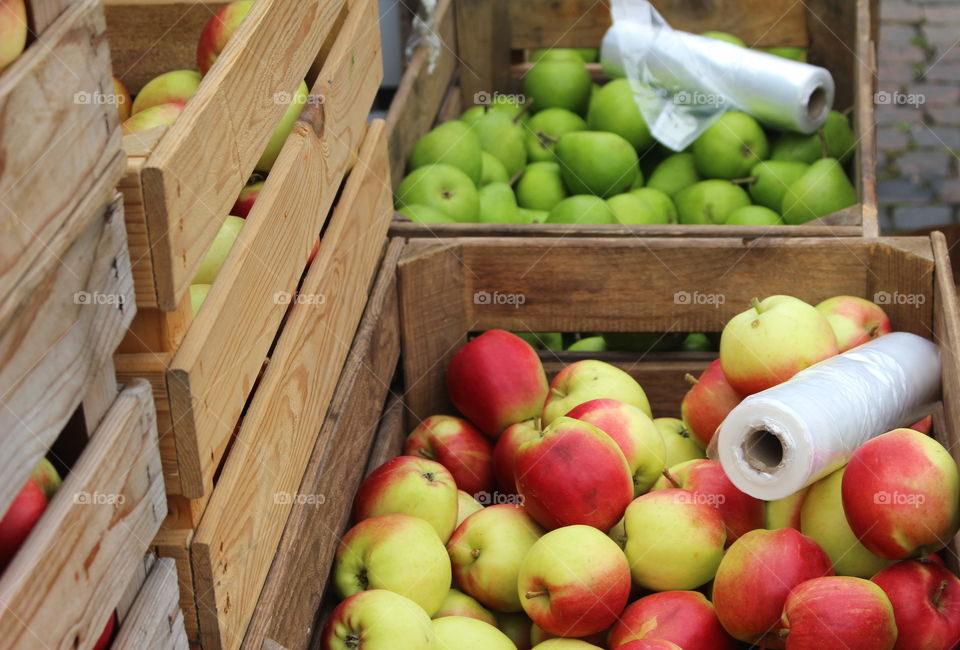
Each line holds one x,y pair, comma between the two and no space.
218,31
854,320
505,452
105,637
924,425
174,87
457,445
13,30
926,604
573,473
650,645
755,577
458,603
248,196
378,620
741,512
497,380
635,434
21,517
159,115
707,403
122,97
838,613
900,494
685,618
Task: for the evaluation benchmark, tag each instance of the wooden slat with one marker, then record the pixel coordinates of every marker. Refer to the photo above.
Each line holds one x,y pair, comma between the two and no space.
73,567
157,331
295,585
139,578
865,74
175,544
241,528
155,621
58,342
391,435
484,47
902,277
212,373
59,147
101,393
41,14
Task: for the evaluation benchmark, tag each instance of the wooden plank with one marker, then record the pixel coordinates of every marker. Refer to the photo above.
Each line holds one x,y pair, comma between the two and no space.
421,91
41,14
188,190
241,528
483,48
212,373
452,107
137,580
832,27
155,620
76,562
901,280
865,72
157,331
295,585
175,544
47,363
101,393
60,147
391,435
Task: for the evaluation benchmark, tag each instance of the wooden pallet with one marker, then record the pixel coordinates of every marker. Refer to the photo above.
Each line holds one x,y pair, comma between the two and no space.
483,49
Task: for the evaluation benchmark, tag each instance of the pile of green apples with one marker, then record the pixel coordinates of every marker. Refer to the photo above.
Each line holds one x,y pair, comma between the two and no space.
569,151
561,516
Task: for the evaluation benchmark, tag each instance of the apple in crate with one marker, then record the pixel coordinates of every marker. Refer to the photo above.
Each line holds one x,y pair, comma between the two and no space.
574,581
678,441
466,506
21,516
854,320
248,196
399,553
505,452
219,250
517,628
838,612
151,118
13,30
707,403
486,552
464,633
297,102
378,620
635,434
650,645
756,576
174,87
218,31
122,97
539,636
772,341
458,603
785,512
497,380
457,445
926,604
685,618
559,643
900,494
573,473
588,380
48,476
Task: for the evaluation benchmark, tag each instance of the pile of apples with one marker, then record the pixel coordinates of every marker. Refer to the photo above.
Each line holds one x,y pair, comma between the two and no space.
551,516
571,151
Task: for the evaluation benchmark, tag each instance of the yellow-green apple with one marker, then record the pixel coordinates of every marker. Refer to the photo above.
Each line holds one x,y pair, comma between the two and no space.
574,581
457,445
218,31
466,506
486,551
122,98
560,643
650,645
854,320
411,486
160,115
21,516
686,618
741,512
505,451
838,612
926,604
517,628
900,494
785,512
573,473
218,251
464,633
198,294
458,603
673,540
248,196
497,380
635,434
772,341
539,636
174,87
923,425
677,441
48,476
13,30
707,403
399,553
755,577
378,620
586,380
280,134
822,520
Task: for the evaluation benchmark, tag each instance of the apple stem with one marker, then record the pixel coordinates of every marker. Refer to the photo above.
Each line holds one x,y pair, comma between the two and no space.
527,105
693,381
823,144
557,393
756,305
942,588
516,177
546,138
538,423
475,553
748,180
671,478
530,595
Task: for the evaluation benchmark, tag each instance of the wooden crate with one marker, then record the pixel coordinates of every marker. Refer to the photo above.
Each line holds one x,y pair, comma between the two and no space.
154,620
483,46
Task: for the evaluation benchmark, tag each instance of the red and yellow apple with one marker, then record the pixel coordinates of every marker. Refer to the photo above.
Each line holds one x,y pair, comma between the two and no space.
219,250
248,196
13,30
174,87
685,618
458,603
151,118
457,445
587,380
282,131
505,452
854,320
678,442
218,31
926,604
464,633
378,620
198,295
650,645
122,98
923,425
707,403
48,476
559,643
21,516
466,506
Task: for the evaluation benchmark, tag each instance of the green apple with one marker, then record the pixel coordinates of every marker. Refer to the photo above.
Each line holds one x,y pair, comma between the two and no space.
797,147
395,552
466,506
542,340
503,139
280,134
753,215
546,127
218,251
677,172
838,136
48,476
443,188
710,202
382,619
730,147
588,380
532,216
631,210
659,201
558,84
493,170
585,54
638,181
174,86
451,143
724,36
471,115
498,204
458,603
680,445
593,162
425,214
697,342
614,109
770,179
822,190
582,208
198,294
589,344
464,633
792,53
541,186
785,512
153,117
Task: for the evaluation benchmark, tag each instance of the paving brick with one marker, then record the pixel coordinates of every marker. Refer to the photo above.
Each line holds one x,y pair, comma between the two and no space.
892,139
923,164
945,114
938,136
902,191
944,14
936,95
889,114
926,216
900,73
901,12
943,72
885,217
947,190
911,54
940,35
897,34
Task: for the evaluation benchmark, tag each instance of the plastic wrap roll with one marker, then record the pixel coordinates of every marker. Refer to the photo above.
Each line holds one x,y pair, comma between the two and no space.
778,441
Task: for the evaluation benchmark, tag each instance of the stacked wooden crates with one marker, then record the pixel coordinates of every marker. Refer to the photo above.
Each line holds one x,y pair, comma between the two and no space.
243,387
